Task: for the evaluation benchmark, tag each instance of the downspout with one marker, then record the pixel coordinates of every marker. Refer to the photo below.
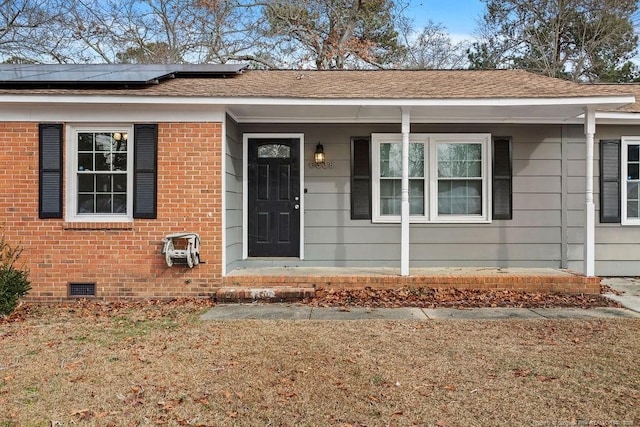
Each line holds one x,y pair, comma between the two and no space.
404,212
589,207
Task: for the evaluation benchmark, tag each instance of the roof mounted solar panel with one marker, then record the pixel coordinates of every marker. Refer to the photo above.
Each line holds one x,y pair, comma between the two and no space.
109,74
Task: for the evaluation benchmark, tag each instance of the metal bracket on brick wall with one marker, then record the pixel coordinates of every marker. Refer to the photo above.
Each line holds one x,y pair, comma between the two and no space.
189,248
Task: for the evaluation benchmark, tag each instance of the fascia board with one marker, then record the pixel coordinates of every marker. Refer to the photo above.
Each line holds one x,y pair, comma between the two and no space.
609,101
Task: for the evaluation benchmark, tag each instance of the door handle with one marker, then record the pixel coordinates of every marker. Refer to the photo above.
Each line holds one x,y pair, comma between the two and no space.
296,207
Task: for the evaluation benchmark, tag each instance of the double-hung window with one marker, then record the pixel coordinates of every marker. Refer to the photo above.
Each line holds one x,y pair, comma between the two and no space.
99,173
630,180
448,177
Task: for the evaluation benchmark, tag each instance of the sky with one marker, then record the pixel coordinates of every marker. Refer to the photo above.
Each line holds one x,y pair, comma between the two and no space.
458,16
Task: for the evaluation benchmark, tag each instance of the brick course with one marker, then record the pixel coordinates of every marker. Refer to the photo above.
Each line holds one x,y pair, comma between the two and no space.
123,259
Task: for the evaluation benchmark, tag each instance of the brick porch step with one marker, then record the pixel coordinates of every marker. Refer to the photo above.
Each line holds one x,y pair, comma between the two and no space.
268,294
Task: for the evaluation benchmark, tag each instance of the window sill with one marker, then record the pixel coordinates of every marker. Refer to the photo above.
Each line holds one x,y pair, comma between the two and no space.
424,220
98,226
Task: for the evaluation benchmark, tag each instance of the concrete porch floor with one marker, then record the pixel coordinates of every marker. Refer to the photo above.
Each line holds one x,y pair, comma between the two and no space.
487,278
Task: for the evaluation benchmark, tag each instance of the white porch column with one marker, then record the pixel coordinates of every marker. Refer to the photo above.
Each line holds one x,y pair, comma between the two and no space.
404,213
589,207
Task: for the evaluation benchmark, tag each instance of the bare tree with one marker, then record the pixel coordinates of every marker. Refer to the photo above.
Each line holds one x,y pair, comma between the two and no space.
433,48
329,34
322,34
24,25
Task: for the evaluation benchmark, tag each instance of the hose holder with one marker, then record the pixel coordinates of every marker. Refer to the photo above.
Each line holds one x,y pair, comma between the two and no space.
189,248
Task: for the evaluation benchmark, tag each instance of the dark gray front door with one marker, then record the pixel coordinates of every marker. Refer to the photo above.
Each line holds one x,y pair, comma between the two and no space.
274,197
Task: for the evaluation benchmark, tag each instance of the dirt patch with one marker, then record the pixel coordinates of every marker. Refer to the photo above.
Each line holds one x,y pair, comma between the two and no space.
158,364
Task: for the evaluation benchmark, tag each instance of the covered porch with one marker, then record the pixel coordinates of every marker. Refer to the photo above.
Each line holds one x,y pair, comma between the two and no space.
552,134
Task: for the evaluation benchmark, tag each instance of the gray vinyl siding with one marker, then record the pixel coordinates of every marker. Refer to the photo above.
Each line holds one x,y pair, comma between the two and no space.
617,251
533,238
233,194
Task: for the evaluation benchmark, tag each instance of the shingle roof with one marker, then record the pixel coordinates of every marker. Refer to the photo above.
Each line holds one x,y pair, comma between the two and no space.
626,88
382,84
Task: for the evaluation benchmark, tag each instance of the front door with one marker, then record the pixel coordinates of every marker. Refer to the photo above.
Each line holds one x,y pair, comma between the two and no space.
274,197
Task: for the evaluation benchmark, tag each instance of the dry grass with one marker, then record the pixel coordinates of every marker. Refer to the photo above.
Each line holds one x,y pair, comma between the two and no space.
150,365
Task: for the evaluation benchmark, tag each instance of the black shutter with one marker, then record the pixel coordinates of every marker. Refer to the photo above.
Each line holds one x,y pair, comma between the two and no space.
360,178
145,167
610,197
50,171
502,179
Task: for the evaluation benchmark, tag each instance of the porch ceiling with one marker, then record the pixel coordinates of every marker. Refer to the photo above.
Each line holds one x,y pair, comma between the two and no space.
493,111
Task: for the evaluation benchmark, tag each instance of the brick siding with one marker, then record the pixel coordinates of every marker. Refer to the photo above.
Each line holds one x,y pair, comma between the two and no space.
124,260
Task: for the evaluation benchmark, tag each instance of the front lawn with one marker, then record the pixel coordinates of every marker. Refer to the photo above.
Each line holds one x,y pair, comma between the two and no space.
158,364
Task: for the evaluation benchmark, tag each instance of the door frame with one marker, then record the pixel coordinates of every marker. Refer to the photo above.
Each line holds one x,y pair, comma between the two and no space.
245,185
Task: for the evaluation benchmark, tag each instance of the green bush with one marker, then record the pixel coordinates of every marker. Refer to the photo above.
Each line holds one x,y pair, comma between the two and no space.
14,283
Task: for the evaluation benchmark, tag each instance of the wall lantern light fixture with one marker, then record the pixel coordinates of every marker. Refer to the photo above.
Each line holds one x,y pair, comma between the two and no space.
318,156
320,159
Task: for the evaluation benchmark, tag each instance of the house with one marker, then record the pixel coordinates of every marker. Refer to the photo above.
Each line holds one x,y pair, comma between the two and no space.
500,168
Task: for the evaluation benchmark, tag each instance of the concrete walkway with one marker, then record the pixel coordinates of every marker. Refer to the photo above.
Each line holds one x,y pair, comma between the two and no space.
275,311
629,289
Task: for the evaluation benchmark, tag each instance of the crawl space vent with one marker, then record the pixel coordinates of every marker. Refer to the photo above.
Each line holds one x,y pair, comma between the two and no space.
82,290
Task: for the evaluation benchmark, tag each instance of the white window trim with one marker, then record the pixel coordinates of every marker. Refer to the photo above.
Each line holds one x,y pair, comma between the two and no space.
431,177
71,182
624,156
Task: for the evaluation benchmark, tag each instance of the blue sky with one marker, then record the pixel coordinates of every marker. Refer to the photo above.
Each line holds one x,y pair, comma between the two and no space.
458,16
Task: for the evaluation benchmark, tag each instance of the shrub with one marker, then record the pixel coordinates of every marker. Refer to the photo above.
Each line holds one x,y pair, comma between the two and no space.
14,283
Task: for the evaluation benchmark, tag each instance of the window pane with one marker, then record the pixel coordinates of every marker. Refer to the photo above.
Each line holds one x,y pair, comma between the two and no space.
391,160
103,141
416,160
632,209
416,197
120,183
119,142
85,142
85,162
632,171
101,162
390,196
272,151
119,162
103,203
119,203
474,169
85,203
85,183
103,183
633,153
474,151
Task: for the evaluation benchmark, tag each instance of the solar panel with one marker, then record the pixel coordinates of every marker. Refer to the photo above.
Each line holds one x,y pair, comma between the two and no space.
28,74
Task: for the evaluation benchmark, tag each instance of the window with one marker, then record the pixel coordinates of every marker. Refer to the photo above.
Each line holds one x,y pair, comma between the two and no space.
100,178
448,177
98,161
630,180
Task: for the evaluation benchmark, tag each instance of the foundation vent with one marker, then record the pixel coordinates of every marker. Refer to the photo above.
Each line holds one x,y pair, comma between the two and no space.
82,290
